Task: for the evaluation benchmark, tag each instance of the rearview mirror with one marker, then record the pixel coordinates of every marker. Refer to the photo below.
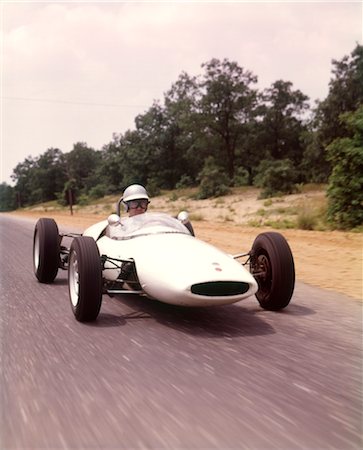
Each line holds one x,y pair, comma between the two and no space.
113,220
183,217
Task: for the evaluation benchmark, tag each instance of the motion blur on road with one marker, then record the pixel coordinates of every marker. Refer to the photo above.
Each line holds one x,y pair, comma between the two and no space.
151,375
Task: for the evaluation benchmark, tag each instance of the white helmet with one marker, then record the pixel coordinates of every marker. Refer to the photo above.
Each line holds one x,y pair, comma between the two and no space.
134,192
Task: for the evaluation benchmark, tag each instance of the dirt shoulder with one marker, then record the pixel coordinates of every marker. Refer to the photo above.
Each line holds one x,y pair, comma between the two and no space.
330,260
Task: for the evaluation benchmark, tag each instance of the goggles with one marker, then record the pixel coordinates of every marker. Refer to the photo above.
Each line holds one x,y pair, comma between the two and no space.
142,203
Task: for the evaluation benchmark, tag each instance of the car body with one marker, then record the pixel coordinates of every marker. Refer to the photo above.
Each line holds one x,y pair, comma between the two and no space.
171,265
155,255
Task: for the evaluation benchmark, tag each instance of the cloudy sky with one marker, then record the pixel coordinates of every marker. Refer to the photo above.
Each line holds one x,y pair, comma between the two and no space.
81,71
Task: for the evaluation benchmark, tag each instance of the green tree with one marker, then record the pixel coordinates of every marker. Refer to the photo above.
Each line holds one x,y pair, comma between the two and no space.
127,160
182,116
7,197
23,176
112,165
315,166
345,190
48,176
345,95
213,181
157,151
39,179
81,165
276,177
227,106
283,121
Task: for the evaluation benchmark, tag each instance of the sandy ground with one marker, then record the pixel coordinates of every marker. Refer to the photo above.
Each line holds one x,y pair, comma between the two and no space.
331,260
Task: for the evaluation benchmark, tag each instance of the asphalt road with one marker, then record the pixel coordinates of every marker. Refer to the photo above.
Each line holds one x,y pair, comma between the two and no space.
150,375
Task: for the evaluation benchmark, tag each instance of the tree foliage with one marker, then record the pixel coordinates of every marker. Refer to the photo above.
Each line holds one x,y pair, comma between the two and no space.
81,165
276,177
213,181
345,191
214,130
227,107
7,197
345,95
283,122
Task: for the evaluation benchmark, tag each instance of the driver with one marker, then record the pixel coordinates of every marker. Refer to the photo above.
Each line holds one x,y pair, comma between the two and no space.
136,199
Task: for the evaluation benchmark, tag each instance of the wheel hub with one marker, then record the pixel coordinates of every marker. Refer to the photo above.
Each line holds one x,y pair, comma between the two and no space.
263,265
261,270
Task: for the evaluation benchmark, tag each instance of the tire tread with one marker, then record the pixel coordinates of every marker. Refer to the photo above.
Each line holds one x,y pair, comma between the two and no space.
90,279
283,279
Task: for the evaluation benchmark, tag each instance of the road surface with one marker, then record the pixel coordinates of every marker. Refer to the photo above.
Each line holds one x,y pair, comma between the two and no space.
150,375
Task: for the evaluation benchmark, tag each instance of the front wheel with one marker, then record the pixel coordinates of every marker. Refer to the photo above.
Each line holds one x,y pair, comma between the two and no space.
272,264
46,250
85,279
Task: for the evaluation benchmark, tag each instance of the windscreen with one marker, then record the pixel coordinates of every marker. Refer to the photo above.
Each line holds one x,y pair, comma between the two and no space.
146,223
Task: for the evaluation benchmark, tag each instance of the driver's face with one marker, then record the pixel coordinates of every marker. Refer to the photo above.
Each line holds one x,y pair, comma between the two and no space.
137,206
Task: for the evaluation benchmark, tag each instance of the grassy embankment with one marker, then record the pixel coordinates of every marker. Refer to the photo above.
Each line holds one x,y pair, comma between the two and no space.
243,206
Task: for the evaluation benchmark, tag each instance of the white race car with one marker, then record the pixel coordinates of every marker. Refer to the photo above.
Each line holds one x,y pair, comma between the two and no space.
158,256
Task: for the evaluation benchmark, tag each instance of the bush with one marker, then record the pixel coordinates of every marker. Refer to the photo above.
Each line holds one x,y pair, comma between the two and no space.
7,197
98,191
83,200
213,180
61,198
280,224
184,182
345,190
275,177
153,187
241,177
307,220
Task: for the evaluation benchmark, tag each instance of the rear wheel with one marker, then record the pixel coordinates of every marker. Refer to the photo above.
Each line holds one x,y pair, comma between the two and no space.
46,250
85,279
272,264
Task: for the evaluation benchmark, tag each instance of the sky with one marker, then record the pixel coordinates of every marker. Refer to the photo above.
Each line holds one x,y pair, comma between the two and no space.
82,71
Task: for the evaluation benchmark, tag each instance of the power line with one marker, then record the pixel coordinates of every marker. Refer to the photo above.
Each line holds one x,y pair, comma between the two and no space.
71,102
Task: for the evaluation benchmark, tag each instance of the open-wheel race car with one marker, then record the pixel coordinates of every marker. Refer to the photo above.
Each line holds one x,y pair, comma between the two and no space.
158,256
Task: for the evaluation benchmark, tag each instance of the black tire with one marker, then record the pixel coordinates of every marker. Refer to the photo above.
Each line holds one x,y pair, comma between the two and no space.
46,250
272,264
85,279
